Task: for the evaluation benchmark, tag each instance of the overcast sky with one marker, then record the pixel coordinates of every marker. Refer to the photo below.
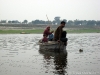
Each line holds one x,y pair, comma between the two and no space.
37,9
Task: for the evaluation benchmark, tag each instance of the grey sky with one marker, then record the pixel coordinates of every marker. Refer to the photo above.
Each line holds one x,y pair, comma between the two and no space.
37,9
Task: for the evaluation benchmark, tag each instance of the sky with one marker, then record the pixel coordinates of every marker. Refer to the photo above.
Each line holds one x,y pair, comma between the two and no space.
38,9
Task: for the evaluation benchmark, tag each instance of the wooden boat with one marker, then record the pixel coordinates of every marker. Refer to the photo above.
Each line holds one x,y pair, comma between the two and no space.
23,33
52,46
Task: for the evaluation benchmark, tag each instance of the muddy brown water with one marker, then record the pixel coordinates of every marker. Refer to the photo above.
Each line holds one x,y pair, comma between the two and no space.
20,55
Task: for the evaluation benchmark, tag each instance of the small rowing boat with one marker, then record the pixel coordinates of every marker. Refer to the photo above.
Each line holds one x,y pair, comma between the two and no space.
52,46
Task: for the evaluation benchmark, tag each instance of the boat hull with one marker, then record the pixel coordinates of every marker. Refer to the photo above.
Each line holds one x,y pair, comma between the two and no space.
52,46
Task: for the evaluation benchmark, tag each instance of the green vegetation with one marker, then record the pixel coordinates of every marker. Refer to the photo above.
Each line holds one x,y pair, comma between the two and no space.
84,31
38,31
21,31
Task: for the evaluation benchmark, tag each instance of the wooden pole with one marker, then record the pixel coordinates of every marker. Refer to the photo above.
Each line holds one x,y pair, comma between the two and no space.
49,21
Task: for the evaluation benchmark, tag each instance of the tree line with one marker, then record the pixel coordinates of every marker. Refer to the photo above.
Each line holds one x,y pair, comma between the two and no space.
56,21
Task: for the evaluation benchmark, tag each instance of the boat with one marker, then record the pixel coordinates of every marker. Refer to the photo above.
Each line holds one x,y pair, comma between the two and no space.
23,33
52,46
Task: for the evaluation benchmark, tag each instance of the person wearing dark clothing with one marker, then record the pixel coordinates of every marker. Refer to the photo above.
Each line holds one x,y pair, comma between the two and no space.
47,31
60,35
44,39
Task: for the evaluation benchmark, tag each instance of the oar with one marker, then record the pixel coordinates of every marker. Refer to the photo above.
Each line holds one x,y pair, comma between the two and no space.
47,18
49,21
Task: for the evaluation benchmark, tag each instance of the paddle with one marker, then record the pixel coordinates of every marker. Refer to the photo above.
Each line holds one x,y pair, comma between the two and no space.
49,21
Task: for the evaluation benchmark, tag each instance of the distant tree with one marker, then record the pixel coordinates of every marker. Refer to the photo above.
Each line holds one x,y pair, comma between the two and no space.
91,22
57,20
32,22
3,21
53,22
9,21
15,21
84,22
37,21
42,22
48,22
25,21
70,22
98,23
77,22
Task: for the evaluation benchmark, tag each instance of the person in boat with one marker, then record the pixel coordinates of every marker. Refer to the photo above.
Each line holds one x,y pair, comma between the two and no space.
44,39
60,35
51,36
48,33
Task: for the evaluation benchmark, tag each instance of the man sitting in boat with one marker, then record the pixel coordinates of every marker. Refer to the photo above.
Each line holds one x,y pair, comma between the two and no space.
48,33
60,35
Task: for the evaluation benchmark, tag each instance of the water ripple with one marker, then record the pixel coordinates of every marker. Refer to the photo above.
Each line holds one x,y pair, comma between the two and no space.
20,55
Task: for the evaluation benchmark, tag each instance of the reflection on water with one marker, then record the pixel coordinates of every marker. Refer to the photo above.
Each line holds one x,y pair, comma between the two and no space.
57,61
20,55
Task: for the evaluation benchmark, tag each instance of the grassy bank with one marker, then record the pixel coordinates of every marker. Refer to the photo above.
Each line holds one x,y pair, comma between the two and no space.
21,31
38,31
84,31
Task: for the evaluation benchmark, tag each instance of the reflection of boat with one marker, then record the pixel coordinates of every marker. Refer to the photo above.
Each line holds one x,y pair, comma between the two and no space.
57,61
52,46
53,54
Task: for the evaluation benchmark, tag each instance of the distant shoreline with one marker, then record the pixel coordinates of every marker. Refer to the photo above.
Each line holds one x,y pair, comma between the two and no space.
40,31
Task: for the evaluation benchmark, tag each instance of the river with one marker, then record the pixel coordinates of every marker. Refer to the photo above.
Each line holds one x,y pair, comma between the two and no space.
20,55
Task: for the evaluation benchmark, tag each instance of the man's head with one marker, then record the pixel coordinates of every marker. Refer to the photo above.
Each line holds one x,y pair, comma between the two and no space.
63,24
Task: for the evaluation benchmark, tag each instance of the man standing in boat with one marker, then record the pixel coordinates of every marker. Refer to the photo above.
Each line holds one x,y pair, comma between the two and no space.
60,35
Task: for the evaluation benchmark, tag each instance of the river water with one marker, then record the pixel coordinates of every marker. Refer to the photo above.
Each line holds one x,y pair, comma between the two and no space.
20,55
